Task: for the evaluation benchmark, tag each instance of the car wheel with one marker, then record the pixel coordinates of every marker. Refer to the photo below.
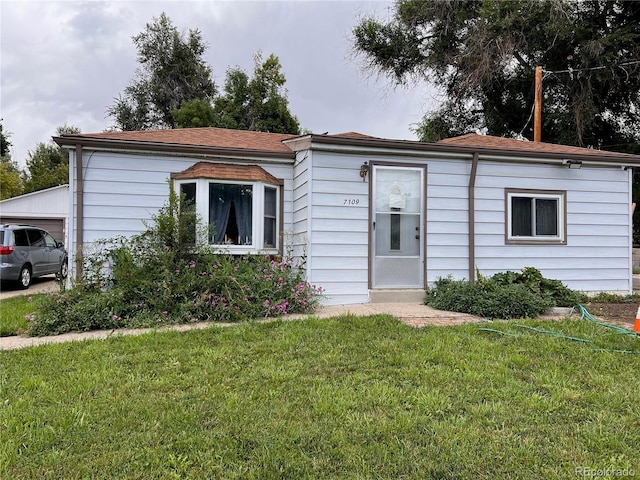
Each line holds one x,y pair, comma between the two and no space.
64,270
25,277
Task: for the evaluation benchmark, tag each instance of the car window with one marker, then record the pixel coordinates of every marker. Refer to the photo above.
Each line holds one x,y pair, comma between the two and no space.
50,241
20,238
1,237
36,239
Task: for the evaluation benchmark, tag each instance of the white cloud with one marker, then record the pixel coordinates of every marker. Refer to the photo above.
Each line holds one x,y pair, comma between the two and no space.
65,62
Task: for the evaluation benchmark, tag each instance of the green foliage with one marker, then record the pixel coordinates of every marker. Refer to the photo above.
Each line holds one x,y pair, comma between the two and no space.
259,103
195,113
172,71
505,295
5,144
47,166
604,297
162,276
483,54
557,292
10,181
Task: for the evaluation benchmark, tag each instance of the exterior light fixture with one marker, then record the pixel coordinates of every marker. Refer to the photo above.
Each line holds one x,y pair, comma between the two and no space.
364,169
573,164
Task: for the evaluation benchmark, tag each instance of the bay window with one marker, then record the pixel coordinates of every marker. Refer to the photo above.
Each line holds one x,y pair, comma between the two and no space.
241,205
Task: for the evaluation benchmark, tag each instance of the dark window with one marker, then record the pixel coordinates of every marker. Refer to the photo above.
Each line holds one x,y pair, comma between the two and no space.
270,210
395,231
20,238
231,213
536,216
36,238
188,209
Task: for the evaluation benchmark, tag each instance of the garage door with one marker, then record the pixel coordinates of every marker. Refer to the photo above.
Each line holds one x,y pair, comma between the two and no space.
55,226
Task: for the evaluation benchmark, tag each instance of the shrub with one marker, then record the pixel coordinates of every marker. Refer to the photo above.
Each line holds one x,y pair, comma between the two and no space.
162,277
505,295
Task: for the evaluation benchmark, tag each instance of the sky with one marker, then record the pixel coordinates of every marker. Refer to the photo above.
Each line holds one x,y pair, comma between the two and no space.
64,62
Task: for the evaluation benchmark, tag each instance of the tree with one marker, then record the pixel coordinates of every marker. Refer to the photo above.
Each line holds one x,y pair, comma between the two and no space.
10,181
483,55
172,71
259,103
48,164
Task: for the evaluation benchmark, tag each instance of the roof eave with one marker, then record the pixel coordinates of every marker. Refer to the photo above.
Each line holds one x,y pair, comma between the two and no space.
175,148
495,153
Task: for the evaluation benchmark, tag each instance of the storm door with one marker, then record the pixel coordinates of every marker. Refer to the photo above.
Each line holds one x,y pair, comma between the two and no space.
397,227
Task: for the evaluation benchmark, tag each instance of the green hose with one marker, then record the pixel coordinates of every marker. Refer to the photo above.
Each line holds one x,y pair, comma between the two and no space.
584,314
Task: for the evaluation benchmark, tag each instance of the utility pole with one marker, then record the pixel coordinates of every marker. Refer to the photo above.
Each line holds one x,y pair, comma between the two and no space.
537,122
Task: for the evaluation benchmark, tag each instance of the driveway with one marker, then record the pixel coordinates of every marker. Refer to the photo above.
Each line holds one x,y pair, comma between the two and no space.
47,283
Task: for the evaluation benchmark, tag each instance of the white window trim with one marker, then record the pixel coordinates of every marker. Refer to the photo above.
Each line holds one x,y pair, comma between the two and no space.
257,221
560,196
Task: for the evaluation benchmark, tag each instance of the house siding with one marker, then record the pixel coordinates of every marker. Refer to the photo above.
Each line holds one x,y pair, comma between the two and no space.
338,237
596,255
123,192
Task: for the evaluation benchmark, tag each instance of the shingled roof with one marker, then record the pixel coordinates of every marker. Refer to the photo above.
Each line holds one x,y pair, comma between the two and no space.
201,137
511,144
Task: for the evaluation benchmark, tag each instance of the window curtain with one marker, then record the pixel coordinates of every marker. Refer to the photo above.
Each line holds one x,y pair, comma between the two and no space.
546,217
221,197
521,217
243,200
219,208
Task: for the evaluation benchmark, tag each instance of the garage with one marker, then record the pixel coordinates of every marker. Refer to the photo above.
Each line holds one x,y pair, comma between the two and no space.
47,209
55,226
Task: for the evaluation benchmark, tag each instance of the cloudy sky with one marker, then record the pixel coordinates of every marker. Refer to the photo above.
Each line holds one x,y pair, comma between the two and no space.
63,62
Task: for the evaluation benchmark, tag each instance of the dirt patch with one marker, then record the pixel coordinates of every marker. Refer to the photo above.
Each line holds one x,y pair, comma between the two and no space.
620,313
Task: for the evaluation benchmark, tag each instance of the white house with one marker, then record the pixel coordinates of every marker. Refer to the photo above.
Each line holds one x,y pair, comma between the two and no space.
373,216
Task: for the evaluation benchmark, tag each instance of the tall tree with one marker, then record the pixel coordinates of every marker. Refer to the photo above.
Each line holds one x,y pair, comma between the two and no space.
10,181
483,53
259,103
172,71
48,164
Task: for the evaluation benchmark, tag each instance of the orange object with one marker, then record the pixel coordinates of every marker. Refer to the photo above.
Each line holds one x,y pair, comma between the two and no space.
636,326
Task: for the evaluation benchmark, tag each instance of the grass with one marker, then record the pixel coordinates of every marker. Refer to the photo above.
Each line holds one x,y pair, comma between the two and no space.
340,398
13,312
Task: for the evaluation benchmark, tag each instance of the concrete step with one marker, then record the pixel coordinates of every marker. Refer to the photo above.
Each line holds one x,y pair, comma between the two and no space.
396,296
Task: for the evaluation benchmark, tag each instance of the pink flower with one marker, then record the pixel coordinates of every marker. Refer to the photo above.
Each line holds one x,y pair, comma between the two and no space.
29,299
165,313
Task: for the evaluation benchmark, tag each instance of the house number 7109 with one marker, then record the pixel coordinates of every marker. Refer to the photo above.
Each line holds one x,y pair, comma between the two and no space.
351,201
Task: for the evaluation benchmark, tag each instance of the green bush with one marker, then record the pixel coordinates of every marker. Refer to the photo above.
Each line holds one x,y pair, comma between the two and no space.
161,277
505,295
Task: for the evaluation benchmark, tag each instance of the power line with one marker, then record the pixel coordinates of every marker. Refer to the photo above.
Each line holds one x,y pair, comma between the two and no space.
601,67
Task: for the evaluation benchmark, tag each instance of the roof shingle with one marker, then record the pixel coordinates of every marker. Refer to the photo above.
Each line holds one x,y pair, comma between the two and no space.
487,141
204,137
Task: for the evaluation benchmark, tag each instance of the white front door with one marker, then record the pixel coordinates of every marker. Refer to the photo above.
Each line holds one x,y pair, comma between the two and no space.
397,227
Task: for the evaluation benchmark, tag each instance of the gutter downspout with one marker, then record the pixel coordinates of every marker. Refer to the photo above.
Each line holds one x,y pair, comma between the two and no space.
79,211
472,216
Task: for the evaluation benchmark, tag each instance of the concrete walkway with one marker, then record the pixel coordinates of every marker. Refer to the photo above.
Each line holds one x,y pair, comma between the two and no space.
416,315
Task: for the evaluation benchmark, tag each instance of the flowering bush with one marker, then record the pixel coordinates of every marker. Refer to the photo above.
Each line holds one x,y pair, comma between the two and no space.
153,280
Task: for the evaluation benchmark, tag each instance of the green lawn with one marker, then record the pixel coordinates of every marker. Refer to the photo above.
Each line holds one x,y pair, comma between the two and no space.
340,398
13,313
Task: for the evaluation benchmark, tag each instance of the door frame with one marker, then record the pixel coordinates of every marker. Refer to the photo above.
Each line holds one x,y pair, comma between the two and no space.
423,215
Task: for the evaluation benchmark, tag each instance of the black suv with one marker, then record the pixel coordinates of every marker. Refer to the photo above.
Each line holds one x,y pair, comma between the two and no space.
27,252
